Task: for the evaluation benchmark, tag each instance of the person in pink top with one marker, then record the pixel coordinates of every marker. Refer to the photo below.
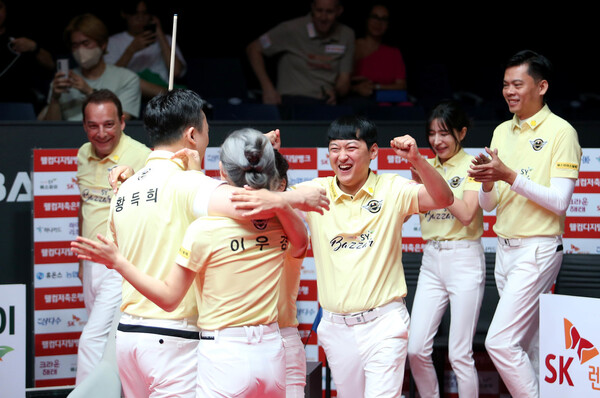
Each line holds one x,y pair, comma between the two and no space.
377,66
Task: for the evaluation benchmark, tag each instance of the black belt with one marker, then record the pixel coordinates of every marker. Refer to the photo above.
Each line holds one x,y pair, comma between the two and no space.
186,334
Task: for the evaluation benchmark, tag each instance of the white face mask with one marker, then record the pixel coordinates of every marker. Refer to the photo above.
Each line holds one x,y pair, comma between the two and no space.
87,57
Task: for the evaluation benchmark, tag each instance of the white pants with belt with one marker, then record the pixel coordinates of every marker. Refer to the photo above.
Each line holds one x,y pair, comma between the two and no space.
157,357
452,272
246,361
102,297
525,268
367,351
295,363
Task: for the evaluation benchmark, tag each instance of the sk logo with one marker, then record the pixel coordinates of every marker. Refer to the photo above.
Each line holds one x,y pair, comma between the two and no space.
585,349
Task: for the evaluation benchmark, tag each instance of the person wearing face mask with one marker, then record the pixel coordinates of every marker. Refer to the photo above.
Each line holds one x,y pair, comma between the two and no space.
453,265
87,37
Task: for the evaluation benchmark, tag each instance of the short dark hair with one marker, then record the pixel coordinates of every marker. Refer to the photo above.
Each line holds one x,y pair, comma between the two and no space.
102,96
451,116
353,127
282,166
167,115
539,67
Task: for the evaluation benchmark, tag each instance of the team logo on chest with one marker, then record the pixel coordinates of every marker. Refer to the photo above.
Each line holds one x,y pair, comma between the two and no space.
455,181
537,144
260,224
373,206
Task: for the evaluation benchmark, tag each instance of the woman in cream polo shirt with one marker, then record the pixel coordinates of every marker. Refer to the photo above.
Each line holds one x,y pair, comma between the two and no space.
236,267
453,266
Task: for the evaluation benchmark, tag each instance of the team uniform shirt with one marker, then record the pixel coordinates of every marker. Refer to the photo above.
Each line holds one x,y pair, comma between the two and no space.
308,63
149,58
357,244
92,178
121,81
238,266
288,293
549,148
148,219
440,224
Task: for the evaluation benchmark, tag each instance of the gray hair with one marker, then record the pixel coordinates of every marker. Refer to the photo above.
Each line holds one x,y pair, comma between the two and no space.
248,159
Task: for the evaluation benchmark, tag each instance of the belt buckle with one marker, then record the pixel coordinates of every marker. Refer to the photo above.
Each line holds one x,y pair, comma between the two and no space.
357,318
437,245
506,241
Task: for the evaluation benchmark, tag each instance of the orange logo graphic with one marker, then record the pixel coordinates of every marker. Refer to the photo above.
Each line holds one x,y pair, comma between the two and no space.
585,349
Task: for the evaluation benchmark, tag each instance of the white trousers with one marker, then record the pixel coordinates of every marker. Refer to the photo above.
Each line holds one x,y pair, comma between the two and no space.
367,359
452,274
102,297
295,363
247,361
525,268
159,364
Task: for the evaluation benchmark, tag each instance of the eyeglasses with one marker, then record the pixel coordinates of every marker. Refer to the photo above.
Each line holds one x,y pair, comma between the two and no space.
379,18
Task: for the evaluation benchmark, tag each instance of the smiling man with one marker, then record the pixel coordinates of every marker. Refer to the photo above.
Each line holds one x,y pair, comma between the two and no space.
357,247
108,146
529,179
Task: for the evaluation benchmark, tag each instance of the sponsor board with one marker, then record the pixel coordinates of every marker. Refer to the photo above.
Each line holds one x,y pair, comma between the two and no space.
569,346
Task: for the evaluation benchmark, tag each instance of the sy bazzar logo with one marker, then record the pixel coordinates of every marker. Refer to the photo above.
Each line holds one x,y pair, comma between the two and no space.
537,144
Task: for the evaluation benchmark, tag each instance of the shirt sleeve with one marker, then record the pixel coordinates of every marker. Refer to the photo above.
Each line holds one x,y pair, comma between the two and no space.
130,94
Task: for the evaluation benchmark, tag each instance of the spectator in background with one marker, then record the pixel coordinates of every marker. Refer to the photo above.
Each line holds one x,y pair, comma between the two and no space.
315,57
108,146
144,48
22,61
87,37
377,66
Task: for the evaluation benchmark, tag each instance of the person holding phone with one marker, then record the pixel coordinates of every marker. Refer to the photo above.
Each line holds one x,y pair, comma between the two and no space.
144,48
86,35
453,266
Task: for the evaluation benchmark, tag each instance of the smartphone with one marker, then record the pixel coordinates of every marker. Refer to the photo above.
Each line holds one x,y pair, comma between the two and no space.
150,27
62,65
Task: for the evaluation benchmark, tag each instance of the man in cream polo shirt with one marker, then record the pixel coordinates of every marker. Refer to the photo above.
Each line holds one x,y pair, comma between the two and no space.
108,146
357,247
156,350
529,178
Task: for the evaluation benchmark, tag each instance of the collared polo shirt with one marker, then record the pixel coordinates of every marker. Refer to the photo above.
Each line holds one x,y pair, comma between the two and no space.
545,146
92,179
307,61
440,224
148,218
357,244
238,266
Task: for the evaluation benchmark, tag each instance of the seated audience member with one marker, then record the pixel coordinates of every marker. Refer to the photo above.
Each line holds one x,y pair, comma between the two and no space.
87,37
24,64
378,67
144,48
